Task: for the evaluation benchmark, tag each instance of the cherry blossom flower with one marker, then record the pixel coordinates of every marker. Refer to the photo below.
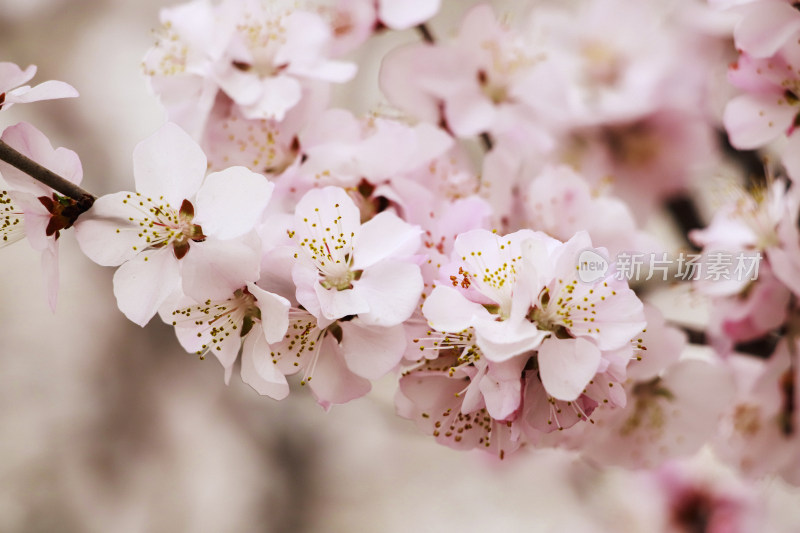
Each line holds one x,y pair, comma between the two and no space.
759,434
560,203
249,320
337,361
161,242
451,397
258,54
345,268
33,210
487,80
13,92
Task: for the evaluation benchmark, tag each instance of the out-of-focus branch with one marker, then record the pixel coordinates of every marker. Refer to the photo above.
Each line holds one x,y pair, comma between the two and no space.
426,34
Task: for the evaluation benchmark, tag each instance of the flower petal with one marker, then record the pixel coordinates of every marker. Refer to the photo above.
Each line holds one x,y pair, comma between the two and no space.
142,284
372,351
230,202
258,370
392,290
385,235
169,164
566,366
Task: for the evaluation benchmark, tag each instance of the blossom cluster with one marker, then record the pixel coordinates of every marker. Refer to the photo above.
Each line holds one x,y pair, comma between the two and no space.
442,240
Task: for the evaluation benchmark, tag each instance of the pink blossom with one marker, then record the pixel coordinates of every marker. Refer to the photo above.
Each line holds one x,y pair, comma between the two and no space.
33,206
337,361
258,54
485,81
345,268
249,320
161,242
13,92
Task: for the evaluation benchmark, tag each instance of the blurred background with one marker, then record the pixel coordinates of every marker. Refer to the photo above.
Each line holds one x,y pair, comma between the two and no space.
108,427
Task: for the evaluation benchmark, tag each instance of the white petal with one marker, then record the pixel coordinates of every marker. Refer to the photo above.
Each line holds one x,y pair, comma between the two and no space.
765,27
448,310
338,304
372,351
169,164
754,120
332,381
385,235
215,269
407,13
258,370
142,284
274,312
109,233
230,202
392,290
566,366
49,90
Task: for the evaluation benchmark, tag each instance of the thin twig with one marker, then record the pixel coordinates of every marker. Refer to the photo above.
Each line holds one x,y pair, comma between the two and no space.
487,141
30,167
426,34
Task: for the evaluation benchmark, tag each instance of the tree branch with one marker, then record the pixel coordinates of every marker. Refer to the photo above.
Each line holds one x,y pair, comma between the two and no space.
426,34
30,167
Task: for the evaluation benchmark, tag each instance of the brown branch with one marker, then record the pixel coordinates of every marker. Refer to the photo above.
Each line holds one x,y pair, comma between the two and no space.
30,167
426,34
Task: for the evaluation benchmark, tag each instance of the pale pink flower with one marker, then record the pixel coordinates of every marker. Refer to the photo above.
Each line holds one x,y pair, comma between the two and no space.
765,26
771,102
668,416
760,430
161,241
487,80
249,320
345,268
520,293
339,360
452,399
258,54
561,202
33,210
13,92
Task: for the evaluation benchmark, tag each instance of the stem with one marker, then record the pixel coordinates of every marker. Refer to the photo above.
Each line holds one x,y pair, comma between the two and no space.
30,167
426,34
487,141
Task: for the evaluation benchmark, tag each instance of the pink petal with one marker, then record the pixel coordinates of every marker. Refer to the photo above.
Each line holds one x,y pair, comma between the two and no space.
143,284
215,269
332,381
230,202
50,272
336,304
372,351
274,312
385,235
566,366
392,290
109,232
12,76
448,310
32,143
48,90
765,27
169,164
405,14
258,370
278,96
754,120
